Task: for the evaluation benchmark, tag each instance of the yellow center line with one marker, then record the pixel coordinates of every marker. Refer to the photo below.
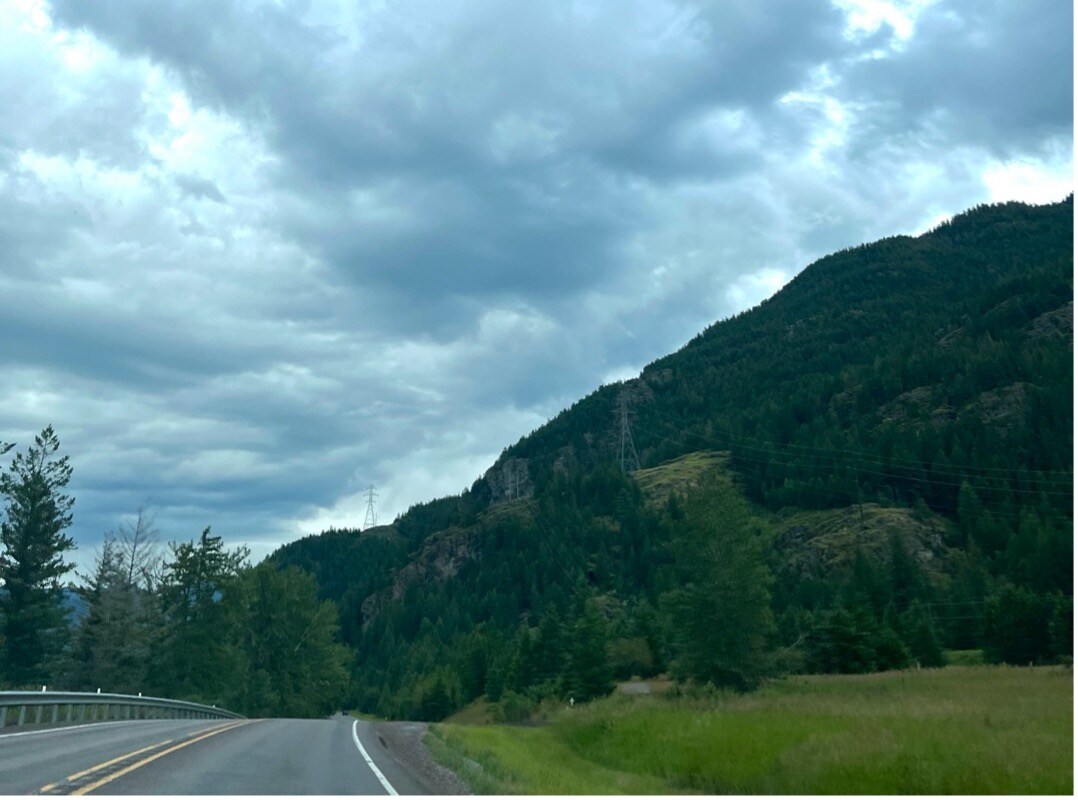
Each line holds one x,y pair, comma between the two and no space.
110,778
104,764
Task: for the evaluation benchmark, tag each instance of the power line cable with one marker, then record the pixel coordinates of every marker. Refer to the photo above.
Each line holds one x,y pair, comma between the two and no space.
846,497
870,458
800,465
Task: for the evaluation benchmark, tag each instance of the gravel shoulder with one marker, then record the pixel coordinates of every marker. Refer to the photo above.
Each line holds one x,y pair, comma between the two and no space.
403,742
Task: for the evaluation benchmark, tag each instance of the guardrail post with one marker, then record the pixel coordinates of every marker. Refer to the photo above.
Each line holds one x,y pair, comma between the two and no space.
37,714
55,713
70,712
22,715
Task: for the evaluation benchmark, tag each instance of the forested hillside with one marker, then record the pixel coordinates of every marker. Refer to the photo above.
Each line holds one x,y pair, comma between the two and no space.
884,447
870,468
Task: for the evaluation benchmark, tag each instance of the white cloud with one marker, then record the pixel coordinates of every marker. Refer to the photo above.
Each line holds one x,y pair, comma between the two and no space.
1030,181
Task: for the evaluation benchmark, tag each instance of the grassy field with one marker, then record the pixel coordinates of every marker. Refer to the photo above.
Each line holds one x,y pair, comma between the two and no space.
962,729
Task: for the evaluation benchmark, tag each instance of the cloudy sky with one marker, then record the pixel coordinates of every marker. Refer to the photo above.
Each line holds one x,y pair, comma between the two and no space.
256,256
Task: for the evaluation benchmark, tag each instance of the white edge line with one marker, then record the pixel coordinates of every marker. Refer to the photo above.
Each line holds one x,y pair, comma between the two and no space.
377,772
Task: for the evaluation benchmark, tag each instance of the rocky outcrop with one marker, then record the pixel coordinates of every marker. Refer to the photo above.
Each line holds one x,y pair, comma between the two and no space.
508,480
1004,408
1057,324
817,543
908,405
441,558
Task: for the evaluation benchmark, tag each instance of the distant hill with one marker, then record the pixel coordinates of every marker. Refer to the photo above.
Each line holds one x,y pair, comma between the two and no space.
902,408
75,605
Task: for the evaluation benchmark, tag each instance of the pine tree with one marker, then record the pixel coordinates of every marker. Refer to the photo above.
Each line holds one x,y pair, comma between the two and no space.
293,663
122,628
719,620
34,543
589,673
199,659
921,637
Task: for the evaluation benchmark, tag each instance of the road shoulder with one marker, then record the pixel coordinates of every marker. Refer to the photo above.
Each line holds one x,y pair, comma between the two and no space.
398,749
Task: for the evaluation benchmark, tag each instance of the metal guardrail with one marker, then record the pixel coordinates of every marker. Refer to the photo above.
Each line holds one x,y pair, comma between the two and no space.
72,708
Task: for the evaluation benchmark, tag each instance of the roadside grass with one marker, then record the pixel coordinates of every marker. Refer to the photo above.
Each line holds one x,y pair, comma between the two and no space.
520,760
963,658
478,713
958,730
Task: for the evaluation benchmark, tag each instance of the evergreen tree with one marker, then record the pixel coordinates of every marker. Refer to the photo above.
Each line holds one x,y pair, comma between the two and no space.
550,660
36,514
1018,626
921,636
293,664
122,628
589,673
720,620
906,580
199,658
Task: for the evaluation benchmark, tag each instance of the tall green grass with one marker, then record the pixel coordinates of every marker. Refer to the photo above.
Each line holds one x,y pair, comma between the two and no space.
965,730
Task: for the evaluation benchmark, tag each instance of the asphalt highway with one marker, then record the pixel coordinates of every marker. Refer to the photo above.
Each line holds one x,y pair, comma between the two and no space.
268,756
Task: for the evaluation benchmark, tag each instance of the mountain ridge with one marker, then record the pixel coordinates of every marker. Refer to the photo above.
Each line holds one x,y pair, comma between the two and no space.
904,405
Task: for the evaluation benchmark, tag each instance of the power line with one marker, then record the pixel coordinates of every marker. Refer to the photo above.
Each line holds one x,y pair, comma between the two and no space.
845,497
868,458
848,463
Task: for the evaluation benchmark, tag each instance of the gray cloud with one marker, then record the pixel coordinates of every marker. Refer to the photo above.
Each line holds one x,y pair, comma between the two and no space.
200,188
259,255
995,73
502,136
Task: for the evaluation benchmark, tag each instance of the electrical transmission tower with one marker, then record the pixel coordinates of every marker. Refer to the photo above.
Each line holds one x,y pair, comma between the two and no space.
371,519
629,461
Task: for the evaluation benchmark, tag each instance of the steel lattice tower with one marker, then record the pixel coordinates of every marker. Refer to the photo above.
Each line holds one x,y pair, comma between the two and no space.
630,462
371,519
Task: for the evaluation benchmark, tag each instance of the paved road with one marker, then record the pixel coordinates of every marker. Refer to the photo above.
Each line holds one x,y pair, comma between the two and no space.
270,756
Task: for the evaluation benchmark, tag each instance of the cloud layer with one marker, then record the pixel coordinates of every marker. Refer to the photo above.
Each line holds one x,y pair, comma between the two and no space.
257,256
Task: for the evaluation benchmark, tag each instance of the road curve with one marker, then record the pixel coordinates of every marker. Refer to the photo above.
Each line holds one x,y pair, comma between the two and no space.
267,756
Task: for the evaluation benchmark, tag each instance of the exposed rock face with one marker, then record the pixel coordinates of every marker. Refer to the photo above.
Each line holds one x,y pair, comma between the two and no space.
441,558
917,404
1054,324
658,377
829,540
908,405
566,461
1003,408
509,480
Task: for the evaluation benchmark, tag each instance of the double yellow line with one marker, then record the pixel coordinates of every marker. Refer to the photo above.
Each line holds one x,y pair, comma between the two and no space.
140,763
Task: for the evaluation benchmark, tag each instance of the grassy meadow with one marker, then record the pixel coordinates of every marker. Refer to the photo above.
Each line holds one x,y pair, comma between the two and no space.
957,730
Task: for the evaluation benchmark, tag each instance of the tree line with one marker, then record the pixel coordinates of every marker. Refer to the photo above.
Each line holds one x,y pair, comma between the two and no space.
189,620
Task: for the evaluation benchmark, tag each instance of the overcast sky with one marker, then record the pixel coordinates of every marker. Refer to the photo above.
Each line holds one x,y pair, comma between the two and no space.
256,256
